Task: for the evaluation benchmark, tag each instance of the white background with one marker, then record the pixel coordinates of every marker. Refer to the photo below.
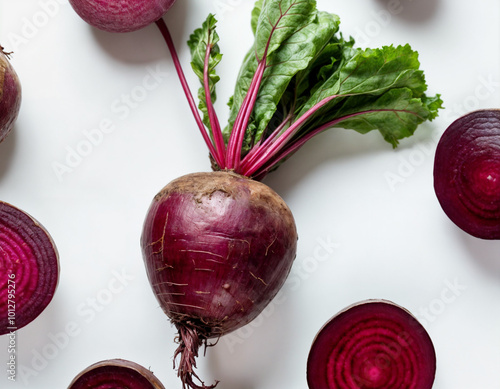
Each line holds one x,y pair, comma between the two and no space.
374,206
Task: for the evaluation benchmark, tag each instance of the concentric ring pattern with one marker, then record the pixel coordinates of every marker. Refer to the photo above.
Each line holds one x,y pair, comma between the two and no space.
116,373
467,173
29,268
372,345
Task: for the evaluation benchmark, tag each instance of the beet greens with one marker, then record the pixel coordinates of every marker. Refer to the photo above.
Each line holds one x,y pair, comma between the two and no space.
298,79
217,246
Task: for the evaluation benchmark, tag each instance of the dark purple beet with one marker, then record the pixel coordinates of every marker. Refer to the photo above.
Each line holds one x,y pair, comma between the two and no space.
29,268
10,95
217,248
116,374
374,344
467,173
121,15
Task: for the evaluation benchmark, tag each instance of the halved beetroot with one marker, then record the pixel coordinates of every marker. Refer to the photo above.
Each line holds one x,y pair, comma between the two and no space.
116,374
374,344
467,173
29,268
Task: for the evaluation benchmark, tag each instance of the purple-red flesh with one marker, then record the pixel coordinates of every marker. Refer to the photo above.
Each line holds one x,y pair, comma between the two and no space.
116,374
374,344
467,173
29,268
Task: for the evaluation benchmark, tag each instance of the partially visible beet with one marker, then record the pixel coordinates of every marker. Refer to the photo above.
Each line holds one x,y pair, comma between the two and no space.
10,95
374,344
29,268
121,15
217,248
467,173
116,374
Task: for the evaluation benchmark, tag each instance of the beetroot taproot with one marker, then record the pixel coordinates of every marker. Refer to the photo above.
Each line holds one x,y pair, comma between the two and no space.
217,248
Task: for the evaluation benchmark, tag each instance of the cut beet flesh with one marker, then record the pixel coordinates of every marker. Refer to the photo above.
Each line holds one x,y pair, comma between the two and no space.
374,344
29,268
467,173
116,374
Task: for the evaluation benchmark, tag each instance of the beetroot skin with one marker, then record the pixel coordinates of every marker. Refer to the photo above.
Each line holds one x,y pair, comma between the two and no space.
10,95
121,15
467,173
217,248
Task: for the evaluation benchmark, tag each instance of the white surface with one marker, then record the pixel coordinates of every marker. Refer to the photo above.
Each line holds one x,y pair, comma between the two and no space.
375,206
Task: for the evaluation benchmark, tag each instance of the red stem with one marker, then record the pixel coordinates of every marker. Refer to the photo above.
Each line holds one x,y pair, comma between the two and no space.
212,116
250,157
269,163
160,23
237,136
264,154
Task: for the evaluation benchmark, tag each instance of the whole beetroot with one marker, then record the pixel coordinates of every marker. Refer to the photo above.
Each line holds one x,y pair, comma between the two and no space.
10,95
121,15
217,247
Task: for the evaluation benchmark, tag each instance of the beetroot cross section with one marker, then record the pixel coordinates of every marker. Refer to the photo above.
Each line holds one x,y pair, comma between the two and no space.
467,173
374,344
116,373
29,268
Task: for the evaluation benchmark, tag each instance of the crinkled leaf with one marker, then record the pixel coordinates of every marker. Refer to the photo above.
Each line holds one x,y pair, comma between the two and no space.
257,9
372,71
396,113
309,62
198,42
278,20
295,55
365,81
282,64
